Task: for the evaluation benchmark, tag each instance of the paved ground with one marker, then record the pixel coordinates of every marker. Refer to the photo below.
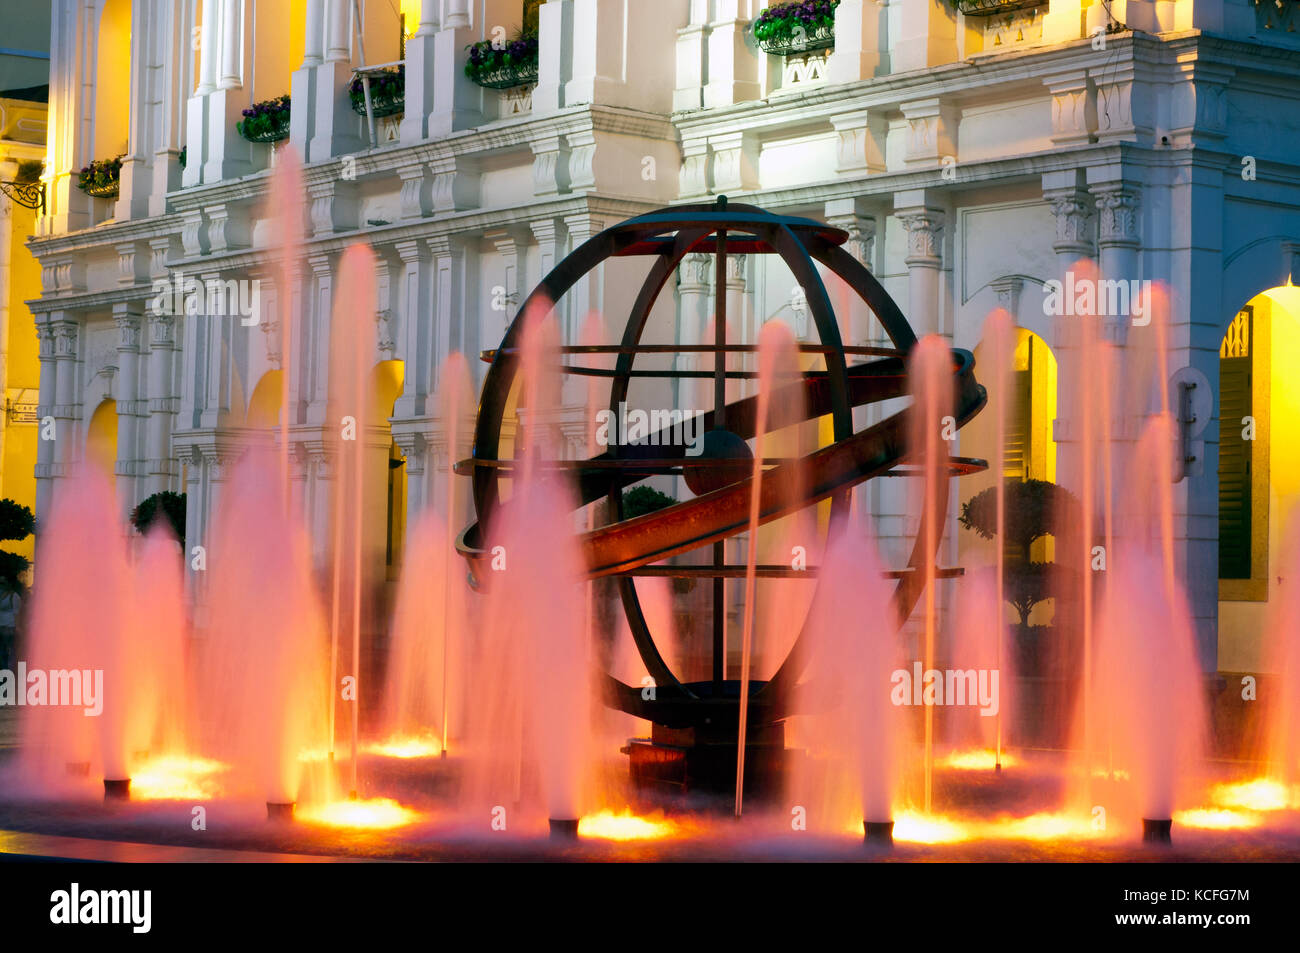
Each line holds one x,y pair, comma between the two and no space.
15,845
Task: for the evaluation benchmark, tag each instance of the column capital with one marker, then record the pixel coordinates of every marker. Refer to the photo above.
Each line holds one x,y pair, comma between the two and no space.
1118,207
924,226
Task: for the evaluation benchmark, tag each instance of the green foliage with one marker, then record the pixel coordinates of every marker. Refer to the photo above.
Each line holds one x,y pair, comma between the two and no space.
16,520
167,505
100,174
486,61
1034,508
267,121
641,500
788,22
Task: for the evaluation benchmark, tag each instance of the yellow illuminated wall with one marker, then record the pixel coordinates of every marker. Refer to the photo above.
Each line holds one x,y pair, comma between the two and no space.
22,385
1275,484
386,483
112,80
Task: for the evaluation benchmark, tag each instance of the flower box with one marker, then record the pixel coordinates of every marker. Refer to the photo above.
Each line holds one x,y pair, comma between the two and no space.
102,178
790,29
514,64
387,93
266,121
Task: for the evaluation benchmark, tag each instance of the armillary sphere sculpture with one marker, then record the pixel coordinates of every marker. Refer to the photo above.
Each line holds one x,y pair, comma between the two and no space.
690,717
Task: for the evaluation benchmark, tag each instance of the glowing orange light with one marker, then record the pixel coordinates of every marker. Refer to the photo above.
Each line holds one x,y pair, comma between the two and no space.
929,829
375,814
917,828
626,826
1258,795
409,746
1044,826
176,777
976,759
1215,819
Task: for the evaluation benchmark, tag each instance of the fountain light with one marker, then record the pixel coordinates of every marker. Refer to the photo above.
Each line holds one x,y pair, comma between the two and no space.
627,826
279,810
373,814
978,759
176,777
406,746
1261,794
917,828
1214,819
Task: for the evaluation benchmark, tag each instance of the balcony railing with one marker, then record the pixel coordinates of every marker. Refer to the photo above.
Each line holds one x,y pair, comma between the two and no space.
993,8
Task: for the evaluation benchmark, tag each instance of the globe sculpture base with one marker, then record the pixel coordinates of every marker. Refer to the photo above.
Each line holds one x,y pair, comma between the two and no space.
686,761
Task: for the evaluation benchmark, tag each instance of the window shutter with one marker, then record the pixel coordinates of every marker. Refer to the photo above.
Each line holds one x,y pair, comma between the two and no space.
1235,382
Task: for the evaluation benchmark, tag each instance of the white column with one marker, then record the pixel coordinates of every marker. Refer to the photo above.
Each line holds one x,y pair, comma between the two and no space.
554,55
336,30
924,224
414,301
226,154
126,389
420,75
67,404
859,31
692,42
457,102
330,127
45,446
232,43
733,65
209,30
314,47
927,36
162,403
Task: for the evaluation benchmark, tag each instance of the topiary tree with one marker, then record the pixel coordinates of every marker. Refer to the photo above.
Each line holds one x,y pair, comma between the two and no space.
16,522
1034,509
641,500
167,505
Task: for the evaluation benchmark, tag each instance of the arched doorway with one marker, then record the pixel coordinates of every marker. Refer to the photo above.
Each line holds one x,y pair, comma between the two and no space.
1259,466
101,437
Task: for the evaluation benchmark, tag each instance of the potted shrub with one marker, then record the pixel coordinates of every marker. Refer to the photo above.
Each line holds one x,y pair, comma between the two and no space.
102,178
267,121
800,27
511,65
387,92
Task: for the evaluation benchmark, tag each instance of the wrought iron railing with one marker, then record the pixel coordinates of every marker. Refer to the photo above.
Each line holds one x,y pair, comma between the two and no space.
802,41
993,8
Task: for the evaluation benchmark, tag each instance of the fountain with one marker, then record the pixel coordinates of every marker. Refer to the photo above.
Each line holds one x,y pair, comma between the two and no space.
747,632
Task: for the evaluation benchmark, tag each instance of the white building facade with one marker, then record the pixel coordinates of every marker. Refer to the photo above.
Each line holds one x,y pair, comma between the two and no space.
971,160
